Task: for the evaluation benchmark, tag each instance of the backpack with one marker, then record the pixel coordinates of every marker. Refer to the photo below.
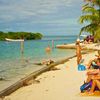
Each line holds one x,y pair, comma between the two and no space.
86,86
81,67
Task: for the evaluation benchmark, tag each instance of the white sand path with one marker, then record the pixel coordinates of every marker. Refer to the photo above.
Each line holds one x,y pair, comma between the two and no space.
63,84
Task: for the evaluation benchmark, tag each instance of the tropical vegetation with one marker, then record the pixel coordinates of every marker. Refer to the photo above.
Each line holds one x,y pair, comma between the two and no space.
20,35
91,15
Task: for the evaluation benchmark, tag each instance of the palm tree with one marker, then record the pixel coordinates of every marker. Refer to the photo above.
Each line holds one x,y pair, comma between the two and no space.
91,14
97,2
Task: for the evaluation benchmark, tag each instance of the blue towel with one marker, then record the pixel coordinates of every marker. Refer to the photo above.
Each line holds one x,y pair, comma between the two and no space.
81,67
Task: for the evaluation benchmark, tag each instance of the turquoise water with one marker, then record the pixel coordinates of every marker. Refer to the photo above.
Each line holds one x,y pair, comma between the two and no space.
14,65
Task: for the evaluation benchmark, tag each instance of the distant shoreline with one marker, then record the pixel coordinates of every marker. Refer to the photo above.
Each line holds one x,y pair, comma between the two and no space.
20,35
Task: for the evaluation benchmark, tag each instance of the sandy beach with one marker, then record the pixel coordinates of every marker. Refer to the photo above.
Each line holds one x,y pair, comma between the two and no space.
91,46
61,84
46,47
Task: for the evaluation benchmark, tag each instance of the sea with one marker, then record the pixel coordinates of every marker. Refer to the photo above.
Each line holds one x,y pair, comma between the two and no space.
15,65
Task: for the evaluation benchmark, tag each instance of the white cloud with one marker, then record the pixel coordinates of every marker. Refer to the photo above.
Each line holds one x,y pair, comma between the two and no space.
68,21
26,8
46,15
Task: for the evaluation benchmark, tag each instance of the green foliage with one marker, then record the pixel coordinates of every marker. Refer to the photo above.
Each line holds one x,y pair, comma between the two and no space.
97,36
94,2
88,9
91,14
88,18
20,35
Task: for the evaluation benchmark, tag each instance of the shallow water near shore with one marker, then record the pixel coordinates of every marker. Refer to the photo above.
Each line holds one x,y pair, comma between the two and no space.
14,65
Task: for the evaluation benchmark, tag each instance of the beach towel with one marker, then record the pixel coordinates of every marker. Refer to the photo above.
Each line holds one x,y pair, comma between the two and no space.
81,67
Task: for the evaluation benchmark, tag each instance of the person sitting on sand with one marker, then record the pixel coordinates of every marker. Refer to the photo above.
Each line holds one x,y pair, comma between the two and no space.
45,62
90,84
94,77
95,83
89,39
93,67
78,51
93,74
94,63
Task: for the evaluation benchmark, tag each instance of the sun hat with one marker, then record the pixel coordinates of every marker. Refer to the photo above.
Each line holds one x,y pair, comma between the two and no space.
78,40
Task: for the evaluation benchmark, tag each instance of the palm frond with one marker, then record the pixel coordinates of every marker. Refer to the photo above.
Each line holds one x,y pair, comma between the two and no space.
87,18
89,28
91,14
95,2
89,9
87,4
97,35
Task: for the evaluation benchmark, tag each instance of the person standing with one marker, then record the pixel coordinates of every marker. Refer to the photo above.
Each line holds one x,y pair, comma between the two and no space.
78,51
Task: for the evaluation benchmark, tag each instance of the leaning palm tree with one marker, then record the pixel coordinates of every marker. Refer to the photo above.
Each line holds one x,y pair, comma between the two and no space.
96,2
91,14
97,36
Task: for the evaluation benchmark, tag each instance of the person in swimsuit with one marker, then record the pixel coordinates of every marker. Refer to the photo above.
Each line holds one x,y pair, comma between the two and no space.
95,82
94,73
48,49
78,52
94,63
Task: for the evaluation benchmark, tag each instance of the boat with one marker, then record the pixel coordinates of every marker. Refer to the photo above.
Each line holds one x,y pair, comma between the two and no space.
14,40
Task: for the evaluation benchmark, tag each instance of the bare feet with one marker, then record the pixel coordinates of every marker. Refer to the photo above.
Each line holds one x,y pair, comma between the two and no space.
90,93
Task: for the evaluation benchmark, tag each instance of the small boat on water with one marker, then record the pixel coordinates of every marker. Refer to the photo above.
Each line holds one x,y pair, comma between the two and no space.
14,40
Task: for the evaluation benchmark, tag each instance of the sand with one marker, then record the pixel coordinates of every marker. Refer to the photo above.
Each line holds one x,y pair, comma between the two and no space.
61,84
91,46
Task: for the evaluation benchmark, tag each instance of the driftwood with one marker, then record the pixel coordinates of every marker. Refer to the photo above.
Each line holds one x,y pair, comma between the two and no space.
30,78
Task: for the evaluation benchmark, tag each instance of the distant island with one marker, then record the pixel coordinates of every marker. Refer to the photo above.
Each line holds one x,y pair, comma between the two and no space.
20,35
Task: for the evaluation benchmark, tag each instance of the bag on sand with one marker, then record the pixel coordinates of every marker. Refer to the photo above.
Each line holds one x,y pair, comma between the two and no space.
86,86
81,67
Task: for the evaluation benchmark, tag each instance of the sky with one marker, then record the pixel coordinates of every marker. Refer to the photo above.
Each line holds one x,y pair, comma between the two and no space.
49,17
